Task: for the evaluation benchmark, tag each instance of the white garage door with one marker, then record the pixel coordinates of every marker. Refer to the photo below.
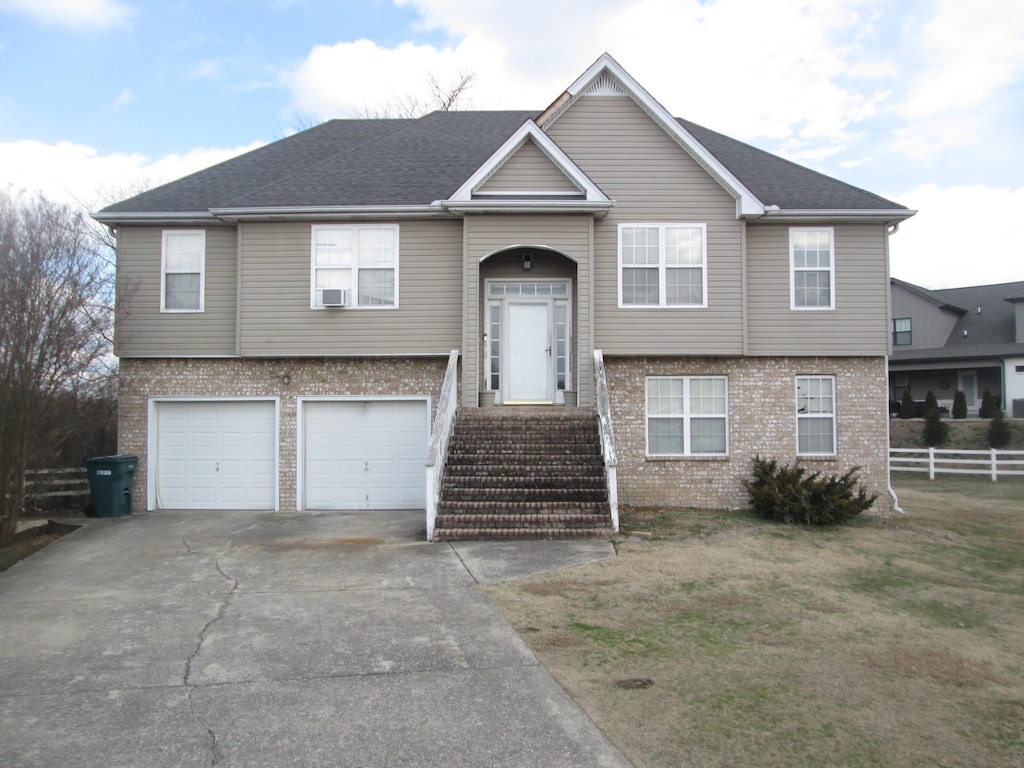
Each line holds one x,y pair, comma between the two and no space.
365,454
215,455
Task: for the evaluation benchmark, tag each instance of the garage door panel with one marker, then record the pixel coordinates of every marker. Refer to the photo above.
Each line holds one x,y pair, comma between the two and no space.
216,455
365,455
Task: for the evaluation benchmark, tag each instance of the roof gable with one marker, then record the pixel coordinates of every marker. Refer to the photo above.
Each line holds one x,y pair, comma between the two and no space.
606,77
528,170
583,193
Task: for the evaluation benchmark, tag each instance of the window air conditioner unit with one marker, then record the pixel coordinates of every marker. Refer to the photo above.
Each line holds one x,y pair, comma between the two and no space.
334,297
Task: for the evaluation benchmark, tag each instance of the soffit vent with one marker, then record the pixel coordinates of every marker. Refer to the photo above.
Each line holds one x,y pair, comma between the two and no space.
605,85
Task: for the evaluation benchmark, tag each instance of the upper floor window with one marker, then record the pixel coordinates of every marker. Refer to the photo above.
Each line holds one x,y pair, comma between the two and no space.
182,269
812,268
901,335
687,415
816,415
360,261
663,265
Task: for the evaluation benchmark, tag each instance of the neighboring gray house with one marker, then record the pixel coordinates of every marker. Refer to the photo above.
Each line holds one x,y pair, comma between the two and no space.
739,300
968,339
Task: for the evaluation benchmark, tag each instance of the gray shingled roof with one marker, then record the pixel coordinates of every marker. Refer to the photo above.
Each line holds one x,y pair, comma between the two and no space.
403,162
990,333
780,182
219,184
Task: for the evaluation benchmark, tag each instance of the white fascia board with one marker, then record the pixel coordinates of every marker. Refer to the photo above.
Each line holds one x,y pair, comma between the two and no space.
554,153
176,217
811,215
747,203
325,213
528,206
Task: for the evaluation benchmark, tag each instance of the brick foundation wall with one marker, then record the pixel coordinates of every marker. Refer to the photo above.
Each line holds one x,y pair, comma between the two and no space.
142,379
762,420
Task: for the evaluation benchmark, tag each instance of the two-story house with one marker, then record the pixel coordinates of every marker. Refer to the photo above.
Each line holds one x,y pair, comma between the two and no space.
967,339
286,318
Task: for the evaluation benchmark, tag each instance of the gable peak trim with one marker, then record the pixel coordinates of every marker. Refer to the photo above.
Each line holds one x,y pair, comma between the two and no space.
604,85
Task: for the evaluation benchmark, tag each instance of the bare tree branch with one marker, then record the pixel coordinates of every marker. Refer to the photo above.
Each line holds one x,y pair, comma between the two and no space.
56,295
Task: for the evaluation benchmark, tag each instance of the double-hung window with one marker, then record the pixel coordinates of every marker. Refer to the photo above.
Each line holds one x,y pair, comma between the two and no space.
816,415
812,268
687,415
901,332
360,261
663,265
182,268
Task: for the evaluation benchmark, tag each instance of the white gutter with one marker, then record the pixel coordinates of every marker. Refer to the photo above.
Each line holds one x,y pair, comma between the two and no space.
321,213
177,217
886,215
528,206
888,453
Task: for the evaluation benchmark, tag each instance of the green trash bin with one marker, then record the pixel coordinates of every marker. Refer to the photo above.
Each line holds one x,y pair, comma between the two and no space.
110,485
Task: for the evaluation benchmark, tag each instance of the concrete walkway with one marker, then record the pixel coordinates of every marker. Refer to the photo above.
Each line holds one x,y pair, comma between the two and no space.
276,639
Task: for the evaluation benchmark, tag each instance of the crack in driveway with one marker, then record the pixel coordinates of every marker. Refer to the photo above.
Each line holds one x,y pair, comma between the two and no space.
215,753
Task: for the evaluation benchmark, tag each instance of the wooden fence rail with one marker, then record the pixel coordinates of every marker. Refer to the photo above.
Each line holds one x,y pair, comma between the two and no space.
47,490
934,461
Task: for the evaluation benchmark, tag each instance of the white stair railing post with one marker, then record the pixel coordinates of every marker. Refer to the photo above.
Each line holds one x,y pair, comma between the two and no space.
931,463
995,464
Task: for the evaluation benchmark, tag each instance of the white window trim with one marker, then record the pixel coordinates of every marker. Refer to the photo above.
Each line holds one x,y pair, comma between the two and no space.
355,268
163,271
799,416
831,270
662,285
686,416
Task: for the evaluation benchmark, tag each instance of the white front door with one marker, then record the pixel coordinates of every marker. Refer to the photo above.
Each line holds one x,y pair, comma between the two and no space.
529,352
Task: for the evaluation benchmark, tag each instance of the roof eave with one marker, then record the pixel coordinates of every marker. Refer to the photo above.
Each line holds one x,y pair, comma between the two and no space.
112,218
599,208
326,213
852,215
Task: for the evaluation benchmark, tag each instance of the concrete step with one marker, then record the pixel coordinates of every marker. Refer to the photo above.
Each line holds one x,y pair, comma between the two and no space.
476,534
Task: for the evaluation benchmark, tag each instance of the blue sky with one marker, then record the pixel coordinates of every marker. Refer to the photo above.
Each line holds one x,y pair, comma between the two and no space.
922,102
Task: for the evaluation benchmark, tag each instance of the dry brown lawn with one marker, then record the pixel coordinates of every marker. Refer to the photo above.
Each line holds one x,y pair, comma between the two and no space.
715,639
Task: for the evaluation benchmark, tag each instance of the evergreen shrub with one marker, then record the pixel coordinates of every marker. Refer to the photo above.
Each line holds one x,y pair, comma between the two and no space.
788,494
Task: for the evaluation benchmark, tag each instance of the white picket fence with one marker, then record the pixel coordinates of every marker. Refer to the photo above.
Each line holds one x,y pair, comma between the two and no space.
936,461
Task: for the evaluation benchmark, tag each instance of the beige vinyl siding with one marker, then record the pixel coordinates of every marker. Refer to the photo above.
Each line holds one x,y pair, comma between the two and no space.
528,170
857,326
1018,310
142,330
653,179
276,318
488,234
930,325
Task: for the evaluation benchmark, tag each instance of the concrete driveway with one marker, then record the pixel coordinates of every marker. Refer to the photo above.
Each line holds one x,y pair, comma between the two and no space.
276,639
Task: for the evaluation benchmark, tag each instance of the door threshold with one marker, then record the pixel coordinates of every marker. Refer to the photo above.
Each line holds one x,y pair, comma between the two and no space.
528,402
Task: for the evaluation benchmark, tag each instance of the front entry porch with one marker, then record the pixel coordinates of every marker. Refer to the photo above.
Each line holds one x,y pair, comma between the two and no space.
528,329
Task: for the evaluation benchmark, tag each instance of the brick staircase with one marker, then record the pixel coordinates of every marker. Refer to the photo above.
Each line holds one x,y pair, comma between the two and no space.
524,472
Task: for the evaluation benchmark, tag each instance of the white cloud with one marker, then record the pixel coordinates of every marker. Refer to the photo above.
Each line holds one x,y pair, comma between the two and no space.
973,50
948,243
79,174
206,70
77,15
126,96
748,69
973,54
